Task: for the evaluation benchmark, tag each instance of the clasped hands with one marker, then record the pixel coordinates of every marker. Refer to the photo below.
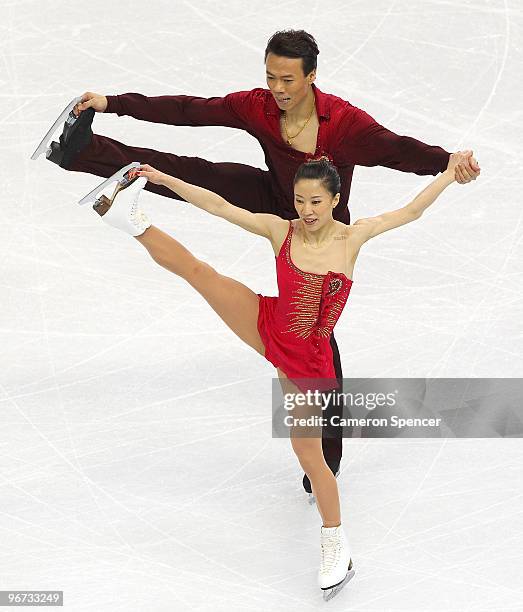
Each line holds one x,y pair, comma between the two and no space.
465,167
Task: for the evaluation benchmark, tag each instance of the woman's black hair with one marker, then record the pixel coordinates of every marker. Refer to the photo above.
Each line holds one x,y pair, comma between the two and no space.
294,43
323,170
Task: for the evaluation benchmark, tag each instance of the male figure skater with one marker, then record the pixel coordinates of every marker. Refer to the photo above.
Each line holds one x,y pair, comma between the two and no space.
292,120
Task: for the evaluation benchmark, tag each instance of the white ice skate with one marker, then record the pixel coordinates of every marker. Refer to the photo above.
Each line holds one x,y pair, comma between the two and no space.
336,564
122,211
312,499
66,116
118,177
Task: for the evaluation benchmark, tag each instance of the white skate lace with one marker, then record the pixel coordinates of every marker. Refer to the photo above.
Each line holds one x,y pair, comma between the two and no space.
137,217
134,206
330,553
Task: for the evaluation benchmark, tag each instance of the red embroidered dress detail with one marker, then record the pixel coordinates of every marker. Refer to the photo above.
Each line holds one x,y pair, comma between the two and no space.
295,327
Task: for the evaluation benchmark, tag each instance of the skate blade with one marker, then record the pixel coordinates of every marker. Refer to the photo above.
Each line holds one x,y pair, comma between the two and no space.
92,196
45,143
333,591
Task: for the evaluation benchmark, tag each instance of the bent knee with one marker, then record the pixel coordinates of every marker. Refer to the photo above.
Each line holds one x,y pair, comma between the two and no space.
307,449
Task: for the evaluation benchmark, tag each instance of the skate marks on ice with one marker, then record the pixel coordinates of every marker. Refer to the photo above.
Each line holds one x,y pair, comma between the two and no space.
117,177
66,115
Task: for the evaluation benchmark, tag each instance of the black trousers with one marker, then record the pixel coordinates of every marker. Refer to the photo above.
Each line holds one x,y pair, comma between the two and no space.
242,185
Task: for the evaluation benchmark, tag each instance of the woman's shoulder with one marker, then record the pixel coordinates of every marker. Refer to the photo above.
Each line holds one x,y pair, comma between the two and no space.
352,237
279,233
351,231
344,231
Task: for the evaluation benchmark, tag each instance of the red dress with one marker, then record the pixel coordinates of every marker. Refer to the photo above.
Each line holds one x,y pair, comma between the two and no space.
295,327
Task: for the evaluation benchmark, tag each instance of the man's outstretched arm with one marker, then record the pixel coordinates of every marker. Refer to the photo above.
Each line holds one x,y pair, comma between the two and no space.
370,144
228,111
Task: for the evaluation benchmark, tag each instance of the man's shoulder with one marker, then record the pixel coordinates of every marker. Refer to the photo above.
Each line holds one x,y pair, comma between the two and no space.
338,106
249,100
334,99
258,93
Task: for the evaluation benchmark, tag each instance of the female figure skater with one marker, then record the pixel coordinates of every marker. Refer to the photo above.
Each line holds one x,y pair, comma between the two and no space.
315,258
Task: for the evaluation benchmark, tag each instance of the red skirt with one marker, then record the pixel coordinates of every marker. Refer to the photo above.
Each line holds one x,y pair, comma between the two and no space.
308,362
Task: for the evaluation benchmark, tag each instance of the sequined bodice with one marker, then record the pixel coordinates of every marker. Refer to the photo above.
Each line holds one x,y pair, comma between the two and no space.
310,303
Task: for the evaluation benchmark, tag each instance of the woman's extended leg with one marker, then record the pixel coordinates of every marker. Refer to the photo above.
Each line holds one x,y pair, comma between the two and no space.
310,455
236,304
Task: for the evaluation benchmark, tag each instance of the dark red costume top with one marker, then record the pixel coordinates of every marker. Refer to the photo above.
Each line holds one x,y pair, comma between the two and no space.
295,327
347,135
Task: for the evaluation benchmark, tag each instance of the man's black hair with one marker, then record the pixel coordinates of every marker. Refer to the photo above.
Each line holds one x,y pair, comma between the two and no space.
294,43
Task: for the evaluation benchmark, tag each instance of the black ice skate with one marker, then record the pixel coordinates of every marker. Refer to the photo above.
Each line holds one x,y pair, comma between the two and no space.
76,135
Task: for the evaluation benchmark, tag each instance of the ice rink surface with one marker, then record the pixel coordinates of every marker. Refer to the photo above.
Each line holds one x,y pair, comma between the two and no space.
137,467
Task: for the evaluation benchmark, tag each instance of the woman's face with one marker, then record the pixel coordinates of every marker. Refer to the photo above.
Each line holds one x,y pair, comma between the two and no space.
314,203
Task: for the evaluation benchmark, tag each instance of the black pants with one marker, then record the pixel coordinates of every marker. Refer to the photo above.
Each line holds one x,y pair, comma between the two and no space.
244,186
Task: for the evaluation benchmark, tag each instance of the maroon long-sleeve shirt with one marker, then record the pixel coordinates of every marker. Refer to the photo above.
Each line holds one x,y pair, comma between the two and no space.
347,134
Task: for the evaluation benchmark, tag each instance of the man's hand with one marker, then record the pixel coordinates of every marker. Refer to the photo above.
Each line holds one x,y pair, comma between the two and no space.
91,100
465,167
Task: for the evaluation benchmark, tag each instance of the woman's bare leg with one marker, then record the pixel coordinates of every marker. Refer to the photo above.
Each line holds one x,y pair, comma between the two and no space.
310,455
236,304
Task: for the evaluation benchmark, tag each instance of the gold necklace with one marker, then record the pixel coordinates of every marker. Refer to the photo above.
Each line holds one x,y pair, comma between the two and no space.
289,138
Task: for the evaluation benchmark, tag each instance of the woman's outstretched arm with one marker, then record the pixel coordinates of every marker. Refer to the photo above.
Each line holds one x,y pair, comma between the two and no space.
257,223
373,226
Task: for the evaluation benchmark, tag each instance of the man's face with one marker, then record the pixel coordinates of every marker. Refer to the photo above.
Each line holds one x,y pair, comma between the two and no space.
286,80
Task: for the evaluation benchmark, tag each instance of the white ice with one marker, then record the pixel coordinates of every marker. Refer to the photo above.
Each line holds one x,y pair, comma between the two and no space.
137,467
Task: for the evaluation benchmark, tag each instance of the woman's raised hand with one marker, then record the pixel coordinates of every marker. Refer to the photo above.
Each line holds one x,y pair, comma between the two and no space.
91,100
150,173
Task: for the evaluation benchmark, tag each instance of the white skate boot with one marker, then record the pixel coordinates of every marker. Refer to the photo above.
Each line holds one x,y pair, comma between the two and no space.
336,565
122,211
